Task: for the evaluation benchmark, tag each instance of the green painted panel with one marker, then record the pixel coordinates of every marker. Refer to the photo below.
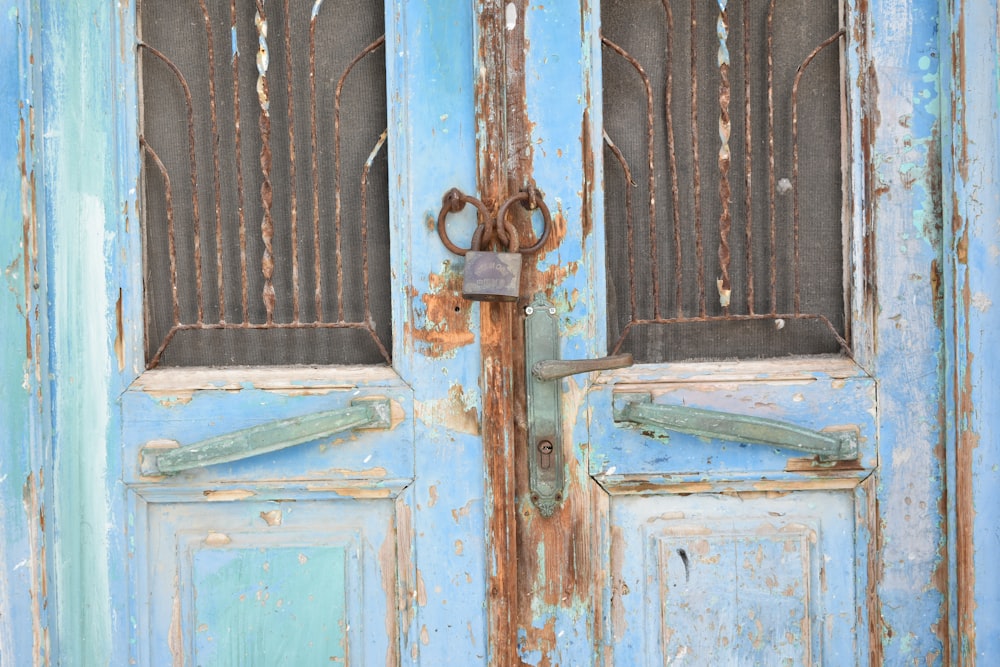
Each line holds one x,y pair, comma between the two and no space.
278,606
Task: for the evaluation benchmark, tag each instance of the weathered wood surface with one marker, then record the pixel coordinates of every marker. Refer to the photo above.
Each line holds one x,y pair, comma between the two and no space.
924,278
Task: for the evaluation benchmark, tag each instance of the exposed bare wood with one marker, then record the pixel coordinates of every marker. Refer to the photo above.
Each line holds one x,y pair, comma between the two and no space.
493,90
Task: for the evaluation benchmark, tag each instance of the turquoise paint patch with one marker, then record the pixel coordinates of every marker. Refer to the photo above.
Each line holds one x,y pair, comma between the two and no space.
281,606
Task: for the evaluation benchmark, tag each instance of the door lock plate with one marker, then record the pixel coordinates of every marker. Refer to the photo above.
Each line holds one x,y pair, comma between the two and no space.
545,447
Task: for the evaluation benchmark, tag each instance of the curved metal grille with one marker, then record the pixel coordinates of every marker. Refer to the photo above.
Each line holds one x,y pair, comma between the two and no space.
723,184
265,182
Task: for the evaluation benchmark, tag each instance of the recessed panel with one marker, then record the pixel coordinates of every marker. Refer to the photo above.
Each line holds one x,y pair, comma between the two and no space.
730,589
307,580
741,579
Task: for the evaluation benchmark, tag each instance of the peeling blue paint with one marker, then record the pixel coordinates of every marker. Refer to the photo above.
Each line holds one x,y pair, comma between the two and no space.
62,408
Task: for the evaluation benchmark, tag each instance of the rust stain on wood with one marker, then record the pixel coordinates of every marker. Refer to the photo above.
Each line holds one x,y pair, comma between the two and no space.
967,441
396,566
119,343
447,316
503,168
35,511
406,589
618,586
29,247
551,277
587,196
868,515
555,567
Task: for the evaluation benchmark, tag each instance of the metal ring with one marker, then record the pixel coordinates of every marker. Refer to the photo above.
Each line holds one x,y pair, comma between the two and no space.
512,242
509,238
454,201
528,198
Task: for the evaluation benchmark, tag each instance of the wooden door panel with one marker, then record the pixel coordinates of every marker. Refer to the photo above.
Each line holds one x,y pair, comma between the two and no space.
288,557
299,578
727,579
162,407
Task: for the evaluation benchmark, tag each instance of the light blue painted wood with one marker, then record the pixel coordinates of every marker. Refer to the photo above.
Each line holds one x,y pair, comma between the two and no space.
314,570
24,488
84,211
906,356
894,395
433,148
711,580
971,164
84,105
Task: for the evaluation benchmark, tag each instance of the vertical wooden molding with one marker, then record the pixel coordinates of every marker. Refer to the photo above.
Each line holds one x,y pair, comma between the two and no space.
971,89
495,174
540,567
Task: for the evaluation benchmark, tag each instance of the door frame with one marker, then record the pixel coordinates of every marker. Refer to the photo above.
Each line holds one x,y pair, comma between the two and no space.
63,512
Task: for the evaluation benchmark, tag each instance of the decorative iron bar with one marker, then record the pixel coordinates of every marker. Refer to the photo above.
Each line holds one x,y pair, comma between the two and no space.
219,277
757,93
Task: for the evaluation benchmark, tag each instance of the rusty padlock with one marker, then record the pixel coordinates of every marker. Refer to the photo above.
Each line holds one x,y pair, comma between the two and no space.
492,275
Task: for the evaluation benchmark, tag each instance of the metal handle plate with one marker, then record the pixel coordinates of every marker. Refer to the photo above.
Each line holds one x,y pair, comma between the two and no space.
827,445
543,369
265,438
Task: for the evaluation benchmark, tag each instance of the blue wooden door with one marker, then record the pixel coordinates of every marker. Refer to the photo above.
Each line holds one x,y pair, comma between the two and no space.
681,527
426,531
306,511
727,499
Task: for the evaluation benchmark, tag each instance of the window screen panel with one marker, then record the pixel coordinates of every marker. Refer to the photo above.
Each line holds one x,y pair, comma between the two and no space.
723,178
266,235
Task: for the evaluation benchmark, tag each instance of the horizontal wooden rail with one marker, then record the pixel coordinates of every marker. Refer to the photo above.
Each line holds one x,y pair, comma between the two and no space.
265,438
639,409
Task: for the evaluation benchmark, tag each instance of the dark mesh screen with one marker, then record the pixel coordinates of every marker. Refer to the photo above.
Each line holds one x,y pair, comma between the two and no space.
724,156
266,235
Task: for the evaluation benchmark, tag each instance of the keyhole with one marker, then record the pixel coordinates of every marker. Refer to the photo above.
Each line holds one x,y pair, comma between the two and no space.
545,454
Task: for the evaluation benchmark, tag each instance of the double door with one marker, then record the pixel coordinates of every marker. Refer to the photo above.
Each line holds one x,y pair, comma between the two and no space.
455,504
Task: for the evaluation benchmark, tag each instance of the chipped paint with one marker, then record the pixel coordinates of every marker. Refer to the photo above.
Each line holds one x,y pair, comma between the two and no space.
970,276
72,287
227,495
272,517
25,492
393,555
364,493
458,411
445,316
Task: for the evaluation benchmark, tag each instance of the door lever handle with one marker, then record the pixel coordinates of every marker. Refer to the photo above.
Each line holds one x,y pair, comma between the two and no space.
554,369
542,365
